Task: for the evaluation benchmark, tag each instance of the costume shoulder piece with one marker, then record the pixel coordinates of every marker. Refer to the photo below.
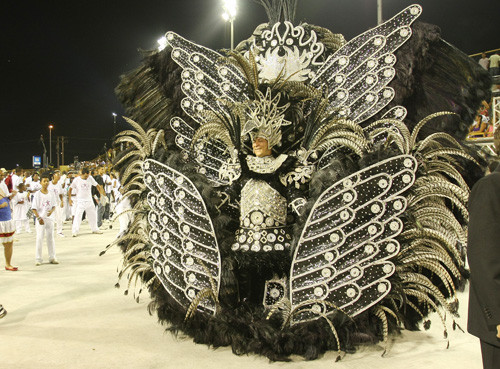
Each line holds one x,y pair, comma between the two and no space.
354,227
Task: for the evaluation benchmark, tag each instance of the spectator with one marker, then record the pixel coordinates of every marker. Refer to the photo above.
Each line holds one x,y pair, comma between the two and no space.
481,125
494,62
484,61
43,206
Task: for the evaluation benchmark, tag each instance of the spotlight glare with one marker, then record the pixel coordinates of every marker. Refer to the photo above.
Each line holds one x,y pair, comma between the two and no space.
162,42
230,8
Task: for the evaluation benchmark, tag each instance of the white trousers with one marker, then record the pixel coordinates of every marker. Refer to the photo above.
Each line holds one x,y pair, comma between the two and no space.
46,231
124,218
89,208
67,209
59,217
73,207
23,223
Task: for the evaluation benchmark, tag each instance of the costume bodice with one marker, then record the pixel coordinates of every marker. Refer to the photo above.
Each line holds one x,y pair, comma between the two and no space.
261,206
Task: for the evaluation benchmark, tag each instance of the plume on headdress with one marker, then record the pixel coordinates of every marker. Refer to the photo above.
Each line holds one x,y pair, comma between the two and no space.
266,118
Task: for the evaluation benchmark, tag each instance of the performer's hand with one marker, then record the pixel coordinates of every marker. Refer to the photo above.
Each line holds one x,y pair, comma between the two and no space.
40,220
3,205
70,202
62,204
498,331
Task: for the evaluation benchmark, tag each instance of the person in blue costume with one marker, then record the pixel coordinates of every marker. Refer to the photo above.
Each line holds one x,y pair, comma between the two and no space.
7,229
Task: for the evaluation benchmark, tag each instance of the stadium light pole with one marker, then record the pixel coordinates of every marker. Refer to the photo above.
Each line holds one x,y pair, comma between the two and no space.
229,7
51,126
114,124
379,12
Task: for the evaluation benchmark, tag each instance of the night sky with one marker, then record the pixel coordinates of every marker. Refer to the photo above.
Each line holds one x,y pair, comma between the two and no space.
61,60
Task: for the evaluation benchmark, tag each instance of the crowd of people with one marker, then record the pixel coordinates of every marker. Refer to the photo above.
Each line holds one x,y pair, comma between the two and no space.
483,124
49,198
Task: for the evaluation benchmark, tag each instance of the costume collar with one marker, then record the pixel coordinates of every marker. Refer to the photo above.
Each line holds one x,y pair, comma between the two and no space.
266,164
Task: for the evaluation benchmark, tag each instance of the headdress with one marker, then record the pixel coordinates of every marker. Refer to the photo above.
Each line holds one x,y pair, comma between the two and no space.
266,118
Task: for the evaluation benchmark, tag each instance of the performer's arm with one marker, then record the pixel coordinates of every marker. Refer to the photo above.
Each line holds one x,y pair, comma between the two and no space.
101,190
35,211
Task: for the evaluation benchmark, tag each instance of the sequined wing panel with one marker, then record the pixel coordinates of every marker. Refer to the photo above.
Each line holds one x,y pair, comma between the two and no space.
342,260
356,76
206,78
185,251
213,157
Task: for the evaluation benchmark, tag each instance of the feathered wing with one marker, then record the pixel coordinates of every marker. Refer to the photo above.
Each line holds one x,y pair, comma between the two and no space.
342,259
209,83
185,252
207,77
356,76
215,157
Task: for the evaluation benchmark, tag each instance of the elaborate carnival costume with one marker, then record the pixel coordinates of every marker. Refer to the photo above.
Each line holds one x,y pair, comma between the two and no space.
353,229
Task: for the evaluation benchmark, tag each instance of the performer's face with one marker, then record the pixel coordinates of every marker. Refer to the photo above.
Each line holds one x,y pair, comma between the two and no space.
45,183
260,147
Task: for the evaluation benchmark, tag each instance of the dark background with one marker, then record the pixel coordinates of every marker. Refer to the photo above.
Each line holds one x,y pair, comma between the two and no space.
61,60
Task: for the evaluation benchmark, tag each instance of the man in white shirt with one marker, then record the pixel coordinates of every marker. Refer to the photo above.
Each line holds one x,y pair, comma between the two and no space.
83,186
56,188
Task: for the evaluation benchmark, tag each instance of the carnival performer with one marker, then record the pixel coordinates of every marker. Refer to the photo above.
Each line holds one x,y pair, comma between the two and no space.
55,186
264,201
372,188
71,205
83,185
122,211
43,206
7,226
21,206
33,184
